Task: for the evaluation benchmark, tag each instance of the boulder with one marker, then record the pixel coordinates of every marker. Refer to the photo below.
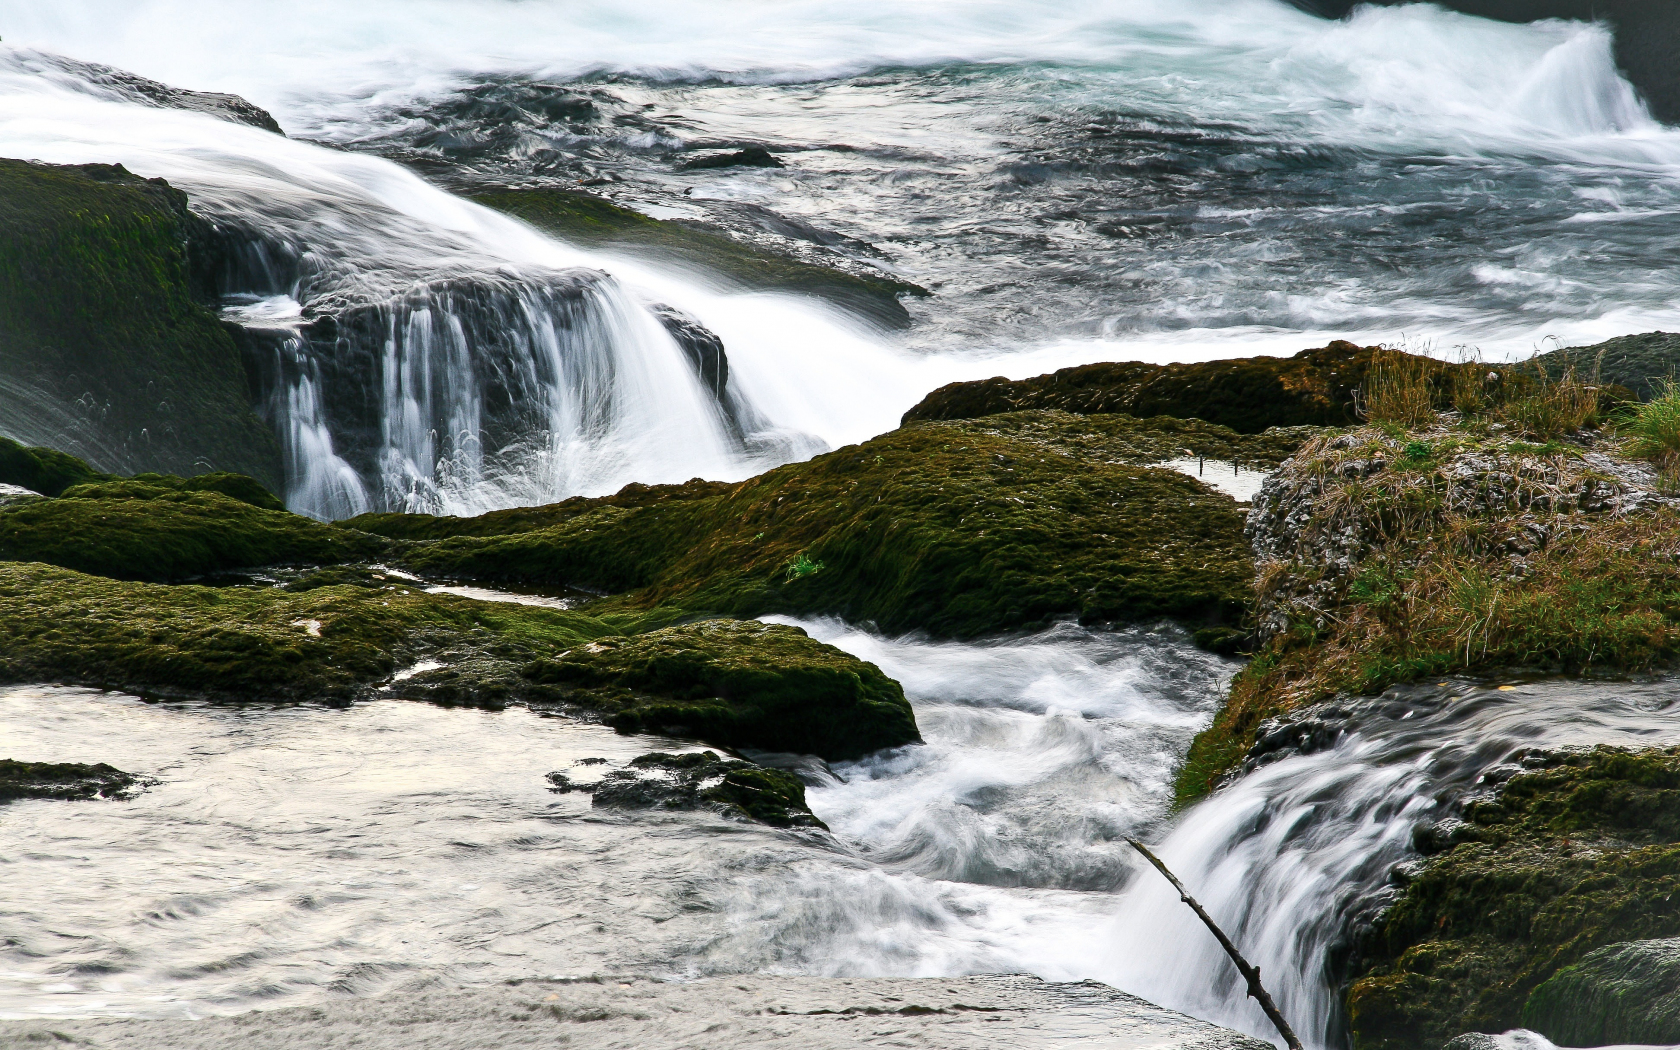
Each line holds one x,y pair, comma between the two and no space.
1621,993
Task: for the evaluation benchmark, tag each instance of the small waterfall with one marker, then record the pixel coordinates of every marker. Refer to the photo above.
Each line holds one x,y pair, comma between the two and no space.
1295,859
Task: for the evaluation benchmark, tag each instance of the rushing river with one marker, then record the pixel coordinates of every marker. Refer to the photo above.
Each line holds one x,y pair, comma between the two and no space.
1104,180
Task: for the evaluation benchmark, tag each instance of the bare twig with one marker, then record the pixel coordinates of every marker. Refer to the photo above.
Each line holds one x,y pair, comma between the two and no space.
1250,973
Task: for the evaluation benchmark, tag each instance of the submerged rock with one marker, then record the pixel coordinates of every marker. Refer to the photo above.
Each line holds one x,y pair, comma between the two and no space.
63,780
135,88
692,781
587,219
751,157
724,1013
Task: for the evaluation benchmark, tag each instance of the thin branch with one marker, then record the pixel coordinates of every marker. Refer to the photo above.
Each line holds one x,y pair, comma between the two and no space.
1251,974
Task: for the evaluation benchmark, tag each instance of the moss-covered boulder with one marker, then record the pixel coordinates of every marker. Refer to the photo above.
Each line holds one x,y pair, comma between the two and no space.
726,683
108,348
1385,555
954,529
140,530
1249,394
44,470
151,486
1623,993
1502,929
584,218
738,683
63,780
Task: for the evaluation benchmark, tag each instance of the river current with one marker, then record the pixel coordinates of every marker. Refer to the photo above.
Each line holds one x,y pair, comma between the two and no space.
1104,180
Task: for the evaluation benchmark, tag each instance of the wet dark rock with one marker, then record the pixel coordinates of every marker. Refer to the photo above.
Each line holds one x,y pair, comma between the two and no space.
585,218
751,157
1621,993
135,88
43,470
695,780
112,352
1641,363
63,780
700,344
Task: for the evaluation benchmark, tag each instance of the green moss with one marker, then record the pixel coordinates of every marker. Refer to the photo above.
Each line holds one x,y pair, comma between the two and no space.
110,349
728,683
666,781
1313,388
737,683
159,534
1563,861
43,470
151,486
62,780
586,219
1620,994
934,528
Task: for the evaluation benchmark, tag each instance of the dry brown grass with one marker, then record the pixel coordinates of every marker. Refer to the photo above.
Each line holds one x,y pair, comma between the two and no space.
1399,389
1546,408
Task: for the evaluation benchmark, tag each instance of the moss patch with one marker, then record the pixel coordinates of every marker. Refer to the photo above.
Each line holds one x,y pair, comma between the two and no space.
590,220
1565,860
941,528
665,781
43,470
136,530
738,683
110,348
749,684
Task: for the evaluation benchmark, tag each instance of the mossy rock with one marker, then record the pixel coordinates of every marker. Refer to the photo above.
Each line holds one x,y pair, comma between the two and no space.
736,683
1623,993
944,528
43,470
111,348
1564,861
1248,394
769,687
150,486
63,780
586,219
138,530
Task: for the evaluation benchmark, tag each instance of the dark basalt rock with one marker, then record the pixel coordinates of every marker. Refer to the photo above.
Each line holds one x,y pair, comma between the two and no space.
1249,394
1647,35
751,157
692,781
63,780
